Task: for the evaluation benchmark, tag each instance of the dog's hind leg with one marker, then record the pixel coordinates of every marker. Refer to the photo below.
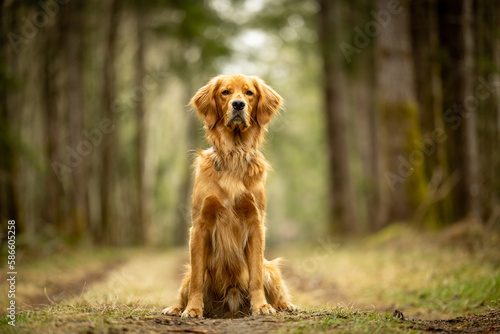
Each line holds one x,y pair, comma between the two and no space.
274,287
183,297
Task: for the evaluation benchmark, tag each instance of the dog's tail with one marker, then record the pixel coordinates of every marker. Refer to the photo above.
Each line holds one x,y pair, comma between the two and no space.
274,287
234,299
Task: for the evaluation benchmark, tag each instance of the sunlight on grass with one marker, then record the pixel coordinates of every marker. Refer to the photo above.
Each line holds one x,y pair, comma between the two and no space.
150,278
41,275
413,272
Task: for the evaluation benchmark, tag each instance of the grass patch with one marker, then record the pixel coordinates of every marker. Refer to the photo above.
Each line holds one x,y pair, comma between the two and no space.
78,317
425,275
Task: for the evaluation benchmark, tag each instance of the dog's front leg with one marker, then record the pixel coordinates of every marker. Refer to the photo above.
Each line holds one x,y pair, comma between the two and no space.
198,248
194,308
255,253
255,264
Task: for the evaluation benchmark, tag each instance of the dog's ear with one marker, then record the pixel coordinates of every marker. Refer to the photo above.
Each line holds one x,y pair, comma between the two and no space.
205,103
269,102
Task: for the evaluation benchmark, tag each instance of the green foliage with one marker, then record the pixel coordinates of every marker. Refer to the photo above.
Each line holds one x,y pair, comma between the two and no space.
199,33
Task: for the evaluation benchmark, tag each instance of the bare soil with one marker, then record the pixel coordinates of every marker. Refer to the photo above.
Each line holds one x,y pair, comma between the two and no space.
298,322
481,323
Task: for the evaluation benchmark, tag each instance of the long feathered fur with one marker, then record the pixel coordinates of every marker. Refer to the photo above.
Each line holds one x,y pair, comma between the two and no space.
228,275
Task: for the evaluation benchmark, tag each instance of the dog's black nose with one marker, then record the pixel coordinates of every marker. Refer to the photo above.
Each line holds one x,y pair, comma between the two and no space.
238,104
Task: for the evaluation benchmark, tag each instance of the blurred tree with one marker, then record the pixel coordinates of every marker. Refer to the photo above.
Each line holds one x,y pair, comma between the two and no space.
53,127
400,126
72,40
9,206
361,74
427,68
109,144
471,137
455,33
341,200
487,41
143,216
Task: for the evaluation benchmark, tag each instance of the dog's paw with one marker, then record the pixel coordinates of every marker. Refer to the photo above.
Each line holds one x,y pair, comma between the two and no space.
192,312
263,309
288,307
172,310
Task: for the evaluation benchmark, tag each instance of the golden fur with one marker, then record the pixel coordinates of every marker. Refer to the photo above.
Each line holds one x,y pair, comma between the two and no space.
228,275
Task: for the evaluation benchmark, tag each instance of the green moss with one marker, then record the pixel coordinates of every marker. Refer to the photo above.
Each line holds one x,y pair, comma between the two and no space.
401,135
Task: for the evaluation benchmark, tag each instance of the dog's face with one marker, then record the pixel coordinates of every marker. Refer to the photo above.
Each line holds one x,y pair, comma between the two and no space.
236,102
237,97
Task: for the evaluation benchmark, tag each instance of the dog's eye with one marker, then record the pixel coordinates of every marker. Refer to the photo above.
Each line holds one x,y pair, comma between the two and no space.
225,92
249,93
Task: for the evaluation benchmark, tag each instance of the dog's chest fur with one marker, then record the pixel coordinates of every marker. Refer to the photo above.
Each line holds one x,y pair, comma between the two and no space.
236,169
229,237
233,186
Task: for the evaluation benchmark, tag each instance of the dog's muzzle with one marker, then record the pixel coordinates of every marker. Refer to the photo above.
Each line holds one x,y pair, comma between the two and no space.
238,113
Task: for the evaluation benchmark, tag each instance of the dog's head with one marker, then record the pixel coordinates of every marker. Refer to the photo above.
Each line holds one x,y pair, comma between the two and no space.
236,102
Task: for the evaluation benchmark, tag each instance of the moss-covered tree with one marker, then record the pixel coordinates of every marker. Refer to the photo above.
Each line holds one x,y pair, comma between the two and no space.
403,159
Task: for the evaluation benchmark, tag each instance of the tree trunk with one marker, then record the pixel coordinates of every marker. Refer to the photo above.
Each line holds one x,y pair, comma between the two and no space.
340,187
404,162
142,224
487,63
9,206
460,114
495,197
471,137
425,41
109,142
367,126
73,20
52,120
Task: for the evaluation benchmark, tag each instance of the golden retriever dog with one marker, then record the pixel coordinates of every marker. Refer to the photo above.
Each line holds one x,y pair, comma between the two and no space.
228,275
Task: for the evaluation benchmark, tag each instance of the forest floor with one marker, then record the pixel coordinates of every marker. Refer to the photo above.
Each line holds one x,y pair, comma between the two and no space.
397,281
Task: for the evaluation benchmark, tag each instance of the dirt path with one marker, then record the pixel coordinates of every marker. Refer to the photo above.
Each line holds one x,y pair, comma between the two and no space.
153,278
118,320
323,321
482,323
129,298
64,291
